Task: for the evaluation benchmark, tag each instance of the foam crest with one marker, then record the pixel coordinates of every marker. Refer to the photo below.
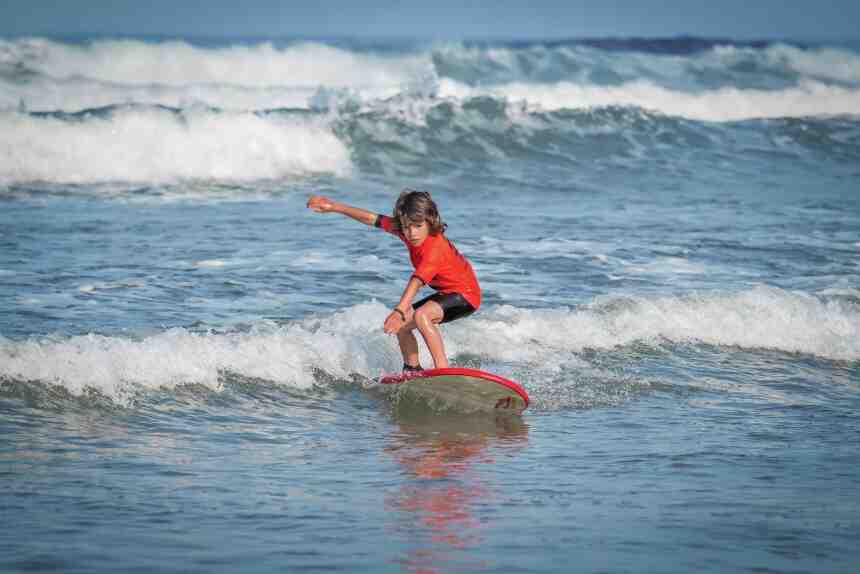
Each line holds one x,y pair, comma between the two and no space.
349,341
809,99
140,144
761,318
136,63
829,64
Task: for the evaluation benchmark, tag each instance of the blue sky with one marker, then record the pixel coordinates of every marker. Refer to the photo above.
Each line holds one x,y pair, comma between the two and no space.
437,19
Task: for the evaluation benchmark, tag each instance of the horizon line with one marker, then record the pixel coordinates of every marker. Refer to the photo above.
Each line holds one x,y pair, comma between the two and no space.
400,38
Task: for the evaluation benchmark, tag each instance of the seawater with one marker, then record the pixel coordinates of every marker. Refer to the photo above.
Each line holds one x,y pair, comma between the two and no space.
668,237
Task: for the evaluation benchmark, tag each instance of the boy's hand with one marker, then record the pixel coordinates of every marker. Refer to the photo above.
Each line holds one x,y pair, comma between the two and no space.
321,204
393,323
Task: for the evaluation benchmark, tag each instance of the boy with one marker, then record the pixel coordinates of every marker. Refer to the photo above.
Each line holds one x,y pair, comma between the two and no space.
416,221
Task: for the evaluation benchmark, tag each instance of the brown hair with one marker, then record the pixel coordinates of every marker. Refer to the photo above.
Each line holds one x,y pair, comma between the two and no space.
417,206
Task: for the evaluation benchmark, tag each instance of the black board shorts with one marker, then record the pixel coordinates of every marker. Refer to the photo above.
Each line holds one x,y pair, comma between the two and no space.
454,306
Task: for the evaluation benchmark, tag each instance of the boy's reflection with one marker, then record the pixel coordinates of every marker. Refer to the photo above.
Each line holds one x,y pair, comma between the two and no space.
444,454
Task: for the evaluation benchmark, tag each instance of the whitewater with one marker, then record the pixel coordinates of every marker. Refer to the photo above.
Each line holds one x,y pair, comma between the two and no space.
666,232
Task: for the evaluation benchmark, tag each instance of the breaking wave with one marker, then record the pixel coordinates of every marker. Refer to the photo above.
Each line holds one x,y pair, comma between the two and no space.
526,340
722,82
148,144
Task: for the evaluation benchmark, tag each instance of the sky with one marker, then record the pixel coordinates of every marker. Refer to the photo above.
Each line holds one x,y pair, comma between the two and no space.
436,19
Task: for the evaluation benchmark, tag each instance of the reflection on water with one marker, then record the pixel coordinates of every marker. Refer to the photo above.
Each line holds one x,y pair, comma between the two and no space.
445,459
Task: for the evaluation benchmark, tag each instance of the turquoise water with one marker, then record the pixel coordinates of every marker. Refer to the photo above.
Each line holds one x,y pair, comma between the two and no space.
668,240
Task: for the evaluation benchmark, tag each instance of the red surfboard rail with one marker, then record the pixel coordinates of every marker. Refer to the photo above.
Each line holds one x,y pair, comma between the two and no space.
456,371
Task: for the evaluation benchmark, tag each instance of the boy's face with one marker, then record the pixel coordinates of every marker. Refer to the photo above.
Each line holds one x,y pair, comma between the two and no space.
416,232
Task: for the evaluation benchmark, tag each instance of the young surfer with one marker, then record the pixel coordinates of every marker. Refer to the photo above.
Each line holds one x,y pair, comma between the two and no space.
416,221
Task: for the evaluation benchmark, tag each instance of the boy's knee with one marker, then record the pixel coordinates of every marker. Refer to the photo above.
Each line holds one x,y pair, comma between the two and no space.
424,316
420,315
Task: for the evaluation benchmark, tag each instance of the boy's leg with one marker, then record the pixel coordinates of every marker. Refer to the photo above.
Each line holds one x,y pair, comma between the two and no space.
408,347
426,318
407,341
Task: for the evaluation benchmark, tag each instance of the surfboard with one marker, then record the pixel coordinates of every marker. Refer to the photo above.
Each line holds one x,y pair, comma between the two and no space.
461,389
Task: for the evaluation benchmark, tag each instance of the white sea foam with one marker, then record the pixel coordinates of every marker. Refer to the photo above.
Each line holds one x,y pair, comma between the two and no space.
352,341
810,99
211,263
546,247
320,261
670,266
108,286
154,145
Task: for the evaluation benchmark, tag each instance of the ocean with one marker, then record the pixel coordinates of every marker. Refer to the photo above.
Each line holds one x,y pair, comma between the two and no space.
667,234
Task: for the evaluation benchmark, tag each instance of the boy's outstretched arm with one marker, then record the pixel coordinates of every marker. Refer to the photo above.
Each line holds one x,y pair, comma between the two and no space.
322,204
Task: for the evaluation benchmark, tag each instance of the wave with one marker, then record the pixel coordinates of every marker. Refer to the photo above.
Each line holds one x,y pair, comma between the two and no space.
532,342
133,145
717,64
463,132
178,63
345,342
80,95
760,318
484,134
150,144
810,99
823,64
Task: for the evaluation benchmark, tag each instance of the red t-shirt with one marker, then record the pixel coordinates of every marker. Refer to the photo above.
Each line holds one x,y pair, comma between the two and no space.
438,264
